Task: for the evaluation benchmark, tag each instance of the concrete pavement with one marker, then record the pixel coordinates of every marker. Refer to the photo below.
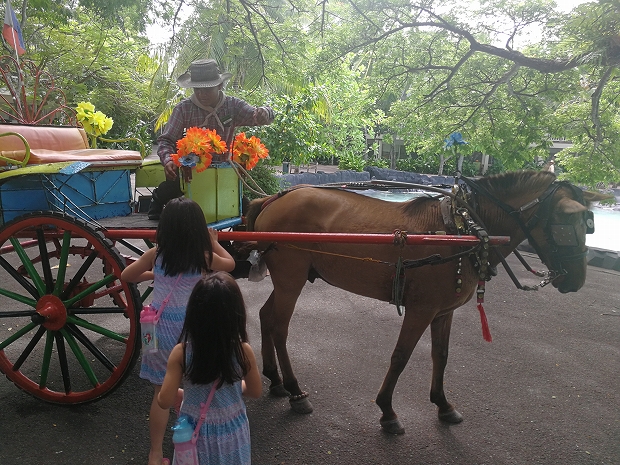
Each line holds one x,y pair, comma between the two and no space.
545,391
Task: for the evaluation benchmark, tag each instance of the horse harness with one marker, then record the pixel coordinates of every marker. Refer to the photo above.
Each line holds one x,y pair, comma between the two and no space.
561,237
459,211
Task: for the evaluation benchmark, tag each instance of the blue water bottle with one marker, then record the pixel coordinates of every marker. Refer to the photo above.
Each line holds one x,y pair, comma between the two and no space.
185,452
182,430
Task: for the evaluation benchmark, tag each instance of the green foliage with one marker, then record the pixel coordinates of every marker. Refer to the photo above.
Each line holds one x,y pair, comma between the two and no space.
334,71
264,175
351,162
429,164
94,60
378,162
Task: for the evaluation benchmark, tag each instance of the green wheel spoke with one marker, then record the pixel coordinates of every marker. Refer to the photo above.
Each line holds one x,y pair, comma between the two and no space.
96,328
29,348
19,278
47,357
79,355
17,335
62,266
32,272
18,297
89,290
92,348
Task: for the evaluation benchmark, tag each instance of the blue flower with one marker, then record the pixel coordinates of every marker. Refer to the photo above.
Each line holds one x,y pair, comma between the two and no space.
454,139
190,160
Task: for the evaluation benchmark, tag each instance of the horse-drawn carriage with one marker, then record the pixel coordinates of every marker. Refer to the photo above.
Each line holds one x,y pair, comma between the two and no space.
69,330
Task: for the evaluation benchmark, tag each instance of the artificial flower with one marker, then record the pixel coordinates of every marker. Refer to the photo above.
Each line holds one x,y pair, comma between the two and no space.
247,152
200,143
95,123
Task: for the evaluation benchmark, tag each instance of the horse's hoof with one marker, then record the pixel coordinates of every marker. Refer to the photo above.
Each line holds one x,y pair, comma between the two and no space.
392,426
301,404
279,391
453,417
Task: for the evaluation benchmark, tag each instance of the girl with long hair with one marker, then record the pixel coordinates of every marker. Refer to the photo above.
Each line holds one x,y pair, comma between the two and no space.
214,348
186,251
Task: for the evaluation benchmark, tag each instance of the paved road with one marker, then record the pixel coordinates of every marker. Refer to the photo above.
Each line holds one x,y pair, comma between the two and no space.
545,391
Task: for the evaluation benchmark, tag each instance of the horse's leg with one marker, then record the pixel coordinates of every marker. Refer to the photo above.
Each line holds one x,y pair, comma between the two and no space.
412,329
268,352
440,333
287,289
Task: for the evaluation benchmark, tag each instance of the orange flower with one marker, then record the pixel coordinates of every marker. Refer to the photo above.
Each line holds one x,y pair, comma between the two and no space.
219,146
196,149
247,152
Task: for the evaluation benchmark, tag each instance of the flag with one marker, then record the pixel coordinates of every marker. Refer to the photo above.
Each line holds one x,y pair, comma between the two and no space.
11,31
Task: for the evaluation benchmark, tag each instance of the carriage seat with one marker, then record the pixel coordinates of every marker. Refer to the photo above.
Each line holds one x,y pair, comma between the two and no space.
53,144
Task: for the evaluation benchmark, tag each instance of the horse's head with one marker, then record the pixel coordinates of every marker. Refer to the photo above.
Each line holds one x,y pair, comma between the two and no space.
552,215
560,237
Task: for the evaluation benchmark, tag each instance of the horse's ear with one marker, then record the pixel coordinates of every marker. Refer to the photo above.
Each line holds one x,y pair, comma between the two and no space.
569,206
590,196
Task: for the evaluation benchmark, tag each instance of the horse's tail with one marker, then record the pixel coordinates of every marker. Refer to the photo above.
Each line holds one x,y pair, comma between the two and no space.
254,210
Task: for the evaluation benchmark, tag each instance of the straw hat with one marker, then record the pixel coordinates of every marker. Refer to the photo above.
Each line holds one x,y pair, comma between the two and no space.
203,73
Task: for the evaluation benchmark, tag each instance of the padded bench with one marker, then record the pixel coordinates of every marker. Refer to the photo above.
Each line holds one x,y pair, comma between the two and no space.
55,144
62,173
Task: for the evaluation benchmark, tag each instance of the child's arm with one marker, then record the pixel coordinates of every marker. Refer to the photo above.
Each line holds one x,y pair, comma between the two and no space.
141,269
252,384
172,380
222,260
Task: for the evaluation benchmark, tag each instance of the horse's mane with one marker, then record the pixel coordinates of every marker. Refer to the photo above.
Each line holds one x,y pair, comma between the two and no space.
502,186
505,185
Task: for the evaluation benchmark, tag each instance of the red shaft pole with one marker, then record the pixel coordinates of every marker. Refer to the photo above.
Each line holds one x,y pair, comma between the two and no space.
349,238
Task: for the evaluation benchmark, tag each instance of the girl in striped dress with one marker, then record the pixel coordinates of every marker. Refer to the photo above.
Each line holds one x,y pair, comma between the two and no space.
214,348
186,250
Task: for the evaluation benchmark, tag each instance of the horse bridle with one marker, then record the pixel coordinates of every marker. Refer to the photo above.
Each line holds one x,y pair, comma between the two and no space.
561,237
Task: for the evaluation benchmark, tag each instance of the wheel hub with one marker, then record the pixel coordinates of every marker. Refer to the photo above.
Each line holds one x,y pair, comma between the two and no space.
54,312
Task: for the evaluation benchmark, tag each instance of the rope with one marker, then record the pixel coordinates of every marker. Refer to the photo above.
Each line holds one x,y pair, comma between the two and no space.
238,167
365,259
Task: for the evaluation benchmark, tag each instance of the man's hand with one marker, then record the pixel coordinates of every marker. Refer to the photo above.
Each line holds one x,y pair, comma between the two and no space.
263,115
171,170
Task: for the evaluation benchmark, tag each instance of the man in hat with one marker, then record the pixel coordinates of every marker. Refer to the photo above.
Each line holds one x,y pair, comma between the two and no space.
209,108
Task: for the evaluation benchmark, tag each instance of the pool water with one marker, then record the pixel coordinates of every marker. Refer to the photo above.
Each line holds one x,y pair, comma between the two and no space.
606,220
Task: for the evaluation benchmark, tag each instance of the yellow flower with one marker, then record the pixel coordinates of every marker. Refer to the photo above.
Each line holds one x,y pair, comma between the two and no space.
95,123
85,107
101,123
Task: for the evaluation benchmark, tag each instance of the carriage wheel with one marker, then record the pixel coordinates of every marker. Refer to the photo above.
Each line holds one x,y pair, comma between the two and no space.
68,325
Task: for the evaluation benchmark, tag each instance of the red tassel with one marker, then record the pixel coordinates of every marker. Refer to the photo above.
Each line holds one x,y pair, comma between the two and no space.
486,333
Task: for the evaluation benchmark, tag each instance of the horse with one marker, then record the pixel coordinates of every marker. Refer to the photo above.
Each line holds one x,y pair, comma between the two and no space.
552,215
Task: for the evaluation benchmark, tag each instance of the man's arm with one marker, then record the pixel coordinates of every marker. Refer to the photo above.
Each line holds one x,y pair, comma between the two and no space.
249,115
167,141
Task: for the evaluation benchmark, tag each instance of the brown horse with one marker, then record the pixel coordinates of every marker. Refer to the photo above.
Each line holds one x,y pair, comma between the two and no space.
552,215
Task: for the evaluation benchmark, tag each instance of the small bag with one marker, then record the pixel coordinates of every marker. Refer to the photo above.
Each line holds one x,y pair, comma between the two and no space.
186,452
149,317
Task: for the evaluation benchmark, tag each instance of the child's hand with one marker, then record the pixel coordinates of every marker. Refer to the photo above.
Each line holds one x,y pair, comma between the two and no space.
213,234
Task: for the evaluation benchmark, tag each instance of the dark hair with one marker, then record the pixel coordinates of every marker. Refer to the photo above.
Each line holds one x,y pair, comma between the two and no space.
215,329
183,238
